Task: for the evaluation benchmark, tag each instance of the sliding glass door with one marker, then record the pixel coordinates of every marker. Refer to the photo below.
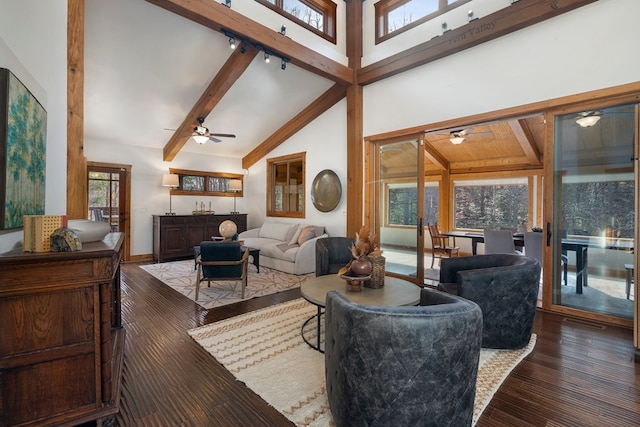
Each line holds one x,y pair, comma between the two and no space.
399,205
593,228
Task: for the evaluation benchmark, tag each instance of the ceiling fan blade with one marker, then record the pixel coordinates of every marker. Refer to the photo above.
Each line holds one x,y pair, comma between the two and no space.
214,139
224,135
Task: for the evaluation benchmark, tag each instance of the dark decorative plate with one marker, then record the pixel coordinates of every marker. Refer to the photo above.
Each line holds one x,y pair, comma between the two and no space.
326,191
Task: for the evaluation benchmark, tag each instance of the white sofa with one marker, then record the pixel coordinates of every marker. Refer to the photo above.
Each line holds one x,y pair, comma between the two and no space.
285,247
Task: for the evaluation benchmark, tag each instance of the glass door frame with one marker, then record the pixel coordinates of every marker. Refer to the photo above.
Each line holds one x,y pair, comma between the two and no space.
124,208
373,187
552,240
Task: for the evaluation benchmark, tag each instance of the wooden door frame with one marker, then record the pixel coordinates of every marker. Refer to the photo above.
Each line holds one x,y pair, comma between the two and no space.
124,213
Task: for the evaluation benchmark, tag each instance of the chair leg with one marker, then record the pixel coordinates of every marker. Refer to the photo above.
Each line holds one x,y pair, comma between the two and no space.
198,282
433,258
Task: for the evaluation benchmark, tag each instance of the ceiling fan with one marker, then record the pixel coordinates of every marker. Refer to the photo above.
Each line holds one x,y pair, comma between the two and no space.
201,133
590,118
458,136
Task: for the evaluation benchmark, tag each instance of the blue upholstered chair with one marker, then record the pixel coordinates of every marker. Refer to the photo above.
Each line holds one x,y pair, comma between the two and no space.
222,261
332,254
505,287
402,366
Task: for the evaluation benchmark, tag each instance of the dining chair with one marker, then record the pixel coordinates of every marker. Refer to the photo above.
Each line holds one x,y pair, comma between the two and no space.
222,261
533,249
499,242
440,245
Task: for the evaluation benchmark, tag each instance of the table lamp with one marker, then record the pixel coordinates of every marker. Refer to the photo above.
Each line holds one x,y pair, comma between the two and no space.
173,181
235,185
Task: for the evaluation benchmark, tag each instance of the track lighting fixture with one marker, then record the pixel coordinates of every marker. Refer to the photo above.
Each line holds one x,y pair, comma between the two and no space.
234,40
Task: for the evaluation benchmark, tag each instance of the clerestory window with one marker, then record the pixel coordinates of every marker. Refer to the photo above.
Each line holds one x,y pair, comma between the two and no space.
396,16
318,16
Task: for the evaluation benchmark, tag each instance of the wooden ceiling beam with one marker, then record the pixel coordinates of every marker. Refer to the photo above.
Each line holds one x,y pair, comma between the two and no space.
306,116
512,18
526,140
216,16
230,72
435,157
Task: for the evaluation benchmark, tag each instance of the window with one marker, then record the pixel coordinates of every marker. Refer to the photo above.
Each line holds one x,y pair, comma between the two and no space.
396,16
403,203
286,186
490,203
197,183
318,16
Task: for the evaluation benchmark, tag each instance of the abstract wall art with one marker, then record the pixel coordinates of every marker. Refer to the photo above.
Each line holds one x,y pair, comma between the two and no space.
23,130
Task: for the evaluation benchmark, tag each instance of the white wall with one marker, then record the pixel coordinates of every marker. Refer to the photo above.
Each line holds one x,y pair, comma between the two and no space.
324,141
148,197
33,45
544,61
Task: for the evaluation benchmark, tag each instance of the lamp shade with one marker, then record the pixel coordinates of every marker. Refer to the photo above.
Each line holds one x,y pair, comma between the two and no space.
201,139
457,140
235,185
587,121
170,180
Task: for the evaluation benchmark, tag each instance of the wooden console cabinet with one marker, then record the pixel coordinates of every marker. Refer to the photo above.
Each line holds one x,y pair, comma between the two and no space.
174,236
61,335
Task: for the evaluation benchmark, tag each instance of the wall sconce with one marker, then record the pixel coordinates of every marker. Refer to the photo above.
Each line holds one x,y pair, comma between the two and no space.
173,181
235,185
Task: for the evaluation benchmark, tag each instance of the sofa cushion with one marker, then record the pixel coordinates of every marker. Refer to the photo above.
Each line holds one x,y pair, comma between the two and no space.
89,231
271,250
307,233
275,230
296,232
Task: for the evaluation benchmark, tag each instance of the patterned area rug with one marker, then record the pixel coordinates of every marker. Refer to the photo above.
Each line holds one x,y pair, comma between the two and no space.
181,276
264,350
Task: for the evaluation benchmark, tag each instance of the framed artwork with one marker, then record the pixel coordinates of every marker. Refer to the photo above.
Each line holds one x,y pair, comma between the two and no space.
23,131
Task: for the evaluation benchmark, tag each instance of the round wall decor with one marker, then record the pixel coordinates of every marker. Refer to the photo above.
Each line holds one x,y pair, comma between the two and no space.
326,191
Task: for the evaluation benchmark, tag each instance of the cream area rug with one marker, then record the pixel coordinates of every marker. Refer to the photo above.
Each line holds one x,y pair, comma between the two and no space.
264,350
181,276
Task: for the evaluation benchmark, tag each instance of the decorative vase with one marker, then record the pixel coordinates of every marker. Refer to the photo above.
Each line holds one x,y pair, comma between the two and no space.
377,272
361,267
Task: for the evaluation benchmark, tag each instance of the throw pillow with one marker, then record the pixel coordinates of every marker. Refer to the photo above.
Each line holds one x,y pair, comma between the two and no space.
293,231
306,233
296,233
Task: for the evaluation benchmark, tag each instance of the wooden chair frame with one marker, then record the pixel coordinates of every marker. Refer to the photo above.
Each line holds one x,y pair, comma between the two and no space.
244,261
440,245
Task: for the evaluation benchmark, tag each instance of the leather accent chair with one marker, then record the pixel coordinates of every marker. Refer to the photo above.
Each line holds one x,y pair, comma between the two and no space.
332,254
222,261
505,287
402,366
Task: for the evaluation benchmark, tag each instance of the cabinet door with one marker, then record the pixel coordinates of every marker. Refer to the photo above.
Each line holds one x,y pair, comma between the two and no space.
196,233
173,240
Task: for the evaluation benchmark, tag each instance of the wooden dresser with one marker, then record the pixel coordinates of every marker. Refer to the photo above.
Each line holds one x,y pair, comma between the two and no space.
174,236
61,335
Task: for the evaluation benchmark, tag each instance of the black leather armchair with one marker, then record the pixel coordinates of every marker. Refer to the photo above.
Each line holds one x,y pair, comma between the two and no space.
332,254
402,366
505,287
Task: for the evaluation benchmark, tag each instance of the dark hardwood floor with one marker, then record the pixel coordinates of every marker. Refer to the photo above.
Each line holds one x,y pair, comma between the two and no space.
579,374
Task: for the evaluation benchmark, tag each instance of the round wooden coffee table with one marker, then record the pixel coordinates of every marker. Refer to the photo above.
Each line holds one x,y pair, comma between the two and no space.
395,292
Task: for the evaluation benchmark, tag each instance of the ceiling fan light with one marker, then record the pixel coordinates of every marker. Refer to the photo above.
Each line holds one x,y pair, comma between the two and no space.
457,140
587,121
201,139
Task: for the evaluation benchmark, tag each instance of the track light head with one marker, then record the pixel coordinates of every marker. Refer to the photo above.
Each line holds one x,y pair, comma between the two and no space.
283,64
267,57
227,3
232,43
283,30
